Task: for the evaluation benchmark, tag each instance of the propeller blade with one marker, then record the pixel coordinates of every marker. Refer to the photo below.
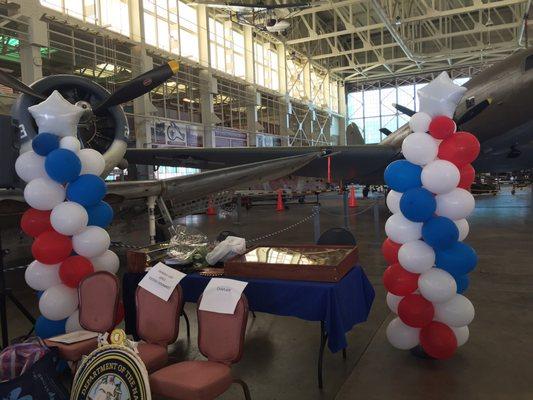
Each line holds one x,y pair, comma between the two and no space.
15,84
139,85
473,112
404,110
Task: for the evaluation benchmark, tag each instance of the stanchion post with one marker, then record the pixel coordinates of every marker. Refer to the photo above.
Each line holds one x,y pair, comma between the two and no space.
376,221
151,217
316,222
239,200
345,209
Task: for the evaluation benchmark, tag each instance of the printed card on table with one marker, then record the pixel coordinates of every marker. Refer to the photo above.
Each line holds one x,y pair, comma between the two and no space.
221,295
161,280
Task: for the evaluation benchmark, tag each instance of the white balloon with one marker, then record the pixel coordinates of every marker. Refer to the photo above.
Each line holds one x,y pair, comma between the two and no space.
416,256
457,204
44,193
106,262
41,276
437,285
92,162
464,228
58,302
73,322
458,311
70,143
69,218
440,96
400,230
393,201
461,334
420,148
30,166
440,176
56,115
401,336
419,122
91,242
393,301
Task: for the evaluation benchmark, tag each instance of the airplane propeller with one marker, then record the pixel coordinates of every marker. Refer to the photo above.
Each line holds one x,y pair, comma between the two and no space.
132,89
469,114
15,84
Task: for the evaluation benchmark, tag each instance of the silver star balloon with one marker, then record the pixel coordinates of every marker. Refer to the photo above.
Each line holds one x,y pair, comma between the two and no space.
56,115
440,96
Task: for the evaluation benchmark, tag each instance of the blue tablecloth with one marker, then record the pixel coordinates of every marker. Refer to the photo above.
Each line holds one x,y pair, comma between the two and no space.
340,305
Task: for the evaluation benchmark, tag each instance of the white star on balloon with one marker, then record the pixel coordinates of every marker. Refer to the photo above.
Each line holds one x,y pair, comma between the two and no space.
440,96
56,115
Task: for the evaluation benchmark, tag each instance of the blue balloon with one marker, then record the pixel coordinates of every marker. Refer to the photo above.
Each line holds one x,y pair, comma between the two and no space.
418,204
88,190
463,281
45,328
401,175
39,293
458,259
100,215
440,233
62,165
44,143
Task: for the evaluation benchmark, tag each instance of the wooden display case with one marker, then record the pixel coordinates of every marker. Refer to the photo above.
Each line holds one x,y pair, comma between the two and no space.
322,263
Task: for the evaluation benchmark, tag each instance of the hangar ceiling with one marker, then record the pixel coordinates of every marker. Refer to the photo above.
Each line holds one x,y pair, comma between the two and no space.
361,40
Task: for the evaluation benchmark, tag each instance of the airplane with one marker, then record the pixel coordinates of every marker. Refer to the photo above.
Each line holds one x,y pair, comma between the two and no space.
494,108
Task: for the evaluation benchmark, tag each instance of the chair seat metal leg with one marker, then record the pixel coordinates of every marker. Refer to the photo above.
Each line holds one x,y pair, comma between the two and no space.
344,353
187,324
323,340
245,388
253,313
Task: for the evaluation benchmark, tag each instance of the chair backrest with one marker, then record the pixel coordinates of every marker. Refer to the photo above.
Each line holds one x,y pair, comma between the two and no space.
98,295
337,236
158,320
221,336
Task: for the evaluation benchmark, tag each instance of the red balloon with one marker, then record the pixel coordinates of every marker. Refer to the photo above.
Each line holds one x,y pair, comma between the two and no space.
442,127
390,251
460,149
399,281
438,340
120,313
468,174
74,269
414,310
51,247
34,222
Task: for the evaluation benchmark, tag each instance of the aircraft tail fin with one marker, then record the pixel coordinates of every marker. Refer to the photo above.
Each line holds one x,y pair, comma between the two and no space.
353,135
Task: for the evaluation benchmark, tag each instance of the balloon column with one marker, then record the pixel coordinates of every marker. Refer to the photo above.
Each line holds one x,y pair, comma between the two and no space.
430,199
67,216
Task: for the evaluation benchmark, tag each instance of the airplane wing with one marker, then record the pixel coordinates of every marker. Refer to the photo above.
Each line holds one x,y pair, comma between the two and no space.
186,194
361,163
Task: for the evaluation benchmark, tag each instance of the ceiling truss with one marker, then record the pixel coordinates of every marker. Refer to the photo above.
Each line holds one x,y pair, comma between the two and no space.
363,40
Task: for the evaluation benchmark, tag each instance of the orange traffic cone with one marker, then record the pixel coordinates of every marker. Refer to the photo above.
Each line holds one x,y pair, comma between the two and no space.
352,201
211,210
280,206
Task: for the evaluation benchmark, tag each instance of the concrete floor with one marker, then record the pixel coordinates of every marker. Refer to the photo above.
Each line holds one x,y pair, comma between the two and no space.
280,353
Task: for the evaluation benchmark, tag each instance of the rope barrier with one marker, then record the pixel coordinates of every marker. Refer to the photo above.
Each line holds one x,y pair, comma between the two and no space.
287,228
351,214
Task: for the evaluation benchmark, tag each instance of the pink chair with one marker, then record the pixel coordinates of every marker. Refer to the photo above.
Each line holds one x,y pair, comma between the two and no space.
220,339
98,296
157,325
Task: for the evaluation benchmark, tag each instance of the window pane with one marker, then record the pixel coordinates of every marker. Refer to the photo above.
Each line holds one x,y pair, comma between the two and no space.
163,34
150,35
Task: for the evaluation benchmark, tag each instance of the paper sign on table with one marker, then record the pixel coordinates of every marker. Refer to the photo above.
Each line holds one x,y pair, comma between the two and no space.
74,337
161,280
221,295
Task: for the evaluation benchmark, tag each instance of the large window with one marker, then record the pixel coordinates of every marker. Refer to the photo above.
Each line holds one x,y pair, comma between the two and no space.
172,26
371,108
227,48
266,65
334,96
295,78
99,12
318,88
